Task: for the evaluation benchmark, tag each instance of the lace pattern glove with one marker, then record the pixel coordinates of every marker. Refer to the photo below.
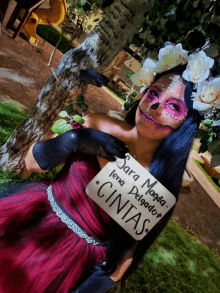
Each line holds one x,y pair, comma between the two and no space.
91,77
95,284
50,153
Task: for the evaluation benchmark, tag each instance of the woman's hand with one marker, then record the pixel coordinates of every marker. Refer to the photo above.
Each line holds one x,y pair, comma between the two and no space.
122,267
97,143
101,284
50,153
91,77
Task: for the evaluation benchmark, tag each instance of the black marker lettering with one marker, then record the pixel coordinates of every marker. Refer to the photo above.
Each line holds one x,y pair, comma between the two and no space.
111,195
119,203
132,206
102,186
149,186
147,220
133,218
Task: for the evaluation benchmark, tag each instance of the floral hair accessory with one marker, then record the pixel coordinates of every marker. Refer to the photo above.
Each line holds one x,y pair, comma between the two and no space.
198,66
207,96
145,76
171,56
197,70
207,92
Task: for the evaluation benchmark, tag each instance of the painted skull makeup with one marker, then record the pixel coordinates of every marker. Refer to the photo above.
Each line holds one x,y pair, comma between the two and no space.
174,80
160,85
161,111
173,106
179,114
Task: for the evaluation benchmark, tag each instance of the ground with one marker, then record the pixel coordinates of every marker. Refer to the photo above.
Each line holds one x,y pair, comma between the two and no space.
24,71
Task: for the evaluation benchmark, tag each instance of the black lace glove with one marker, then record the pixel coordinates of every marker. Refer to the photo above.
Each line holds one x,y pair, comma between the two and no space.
51,152
91,77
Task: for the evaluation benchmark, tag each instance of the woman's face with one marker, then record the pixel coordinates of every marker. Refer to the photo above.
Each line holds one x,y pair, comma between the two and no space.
162,109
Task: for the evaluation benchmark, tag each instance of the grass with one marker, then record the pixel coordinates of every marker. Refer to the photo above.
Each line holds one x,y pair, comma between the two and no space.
52,36
176,262
211,180
10,117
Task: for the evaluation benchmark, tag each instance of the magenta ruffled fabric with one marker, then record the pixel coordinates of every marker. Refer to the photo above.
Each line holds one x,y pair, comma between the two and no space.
38,252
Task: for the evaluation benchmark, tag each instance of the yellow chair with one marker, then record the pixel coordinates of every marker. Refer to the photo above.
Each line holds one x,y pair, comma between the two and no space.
55,15
29,6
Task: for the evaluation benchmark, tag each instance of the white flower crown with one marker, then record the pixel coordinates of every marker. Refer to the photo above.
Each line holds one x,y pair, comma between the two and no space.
197,71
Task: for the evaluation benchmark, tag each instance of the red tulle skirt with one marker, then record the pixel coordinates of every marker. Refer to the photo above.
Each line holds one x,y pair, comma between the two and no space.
38,252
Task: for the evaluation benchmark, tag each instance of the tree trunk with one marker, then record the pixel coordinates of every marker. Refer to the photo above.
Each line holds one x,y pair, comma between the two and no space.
121,22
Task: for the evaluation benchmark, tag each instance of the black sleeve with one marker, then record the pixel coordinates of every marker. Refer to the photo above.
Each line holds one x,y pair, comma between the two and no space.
95,284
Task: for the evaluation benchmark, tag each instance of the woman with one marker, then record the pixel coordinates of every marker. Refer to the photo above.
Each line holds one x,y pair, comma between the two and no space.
163,151
40,251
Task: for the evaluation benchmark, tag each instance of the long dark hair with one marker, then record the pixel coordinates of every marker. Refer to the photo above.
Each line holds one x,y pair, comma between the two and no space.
168,165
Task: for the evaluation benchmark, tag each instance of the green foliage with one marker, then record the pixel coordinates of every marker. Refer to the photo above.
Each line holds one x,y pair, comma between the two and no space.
53,37
80,11
207,122
134,94
214,147
186,22
120,95
201,133
70,109
80,98
86,7
61,126
203,148
78,119
195,39
210,138
80,103
127,106
78,15
129,74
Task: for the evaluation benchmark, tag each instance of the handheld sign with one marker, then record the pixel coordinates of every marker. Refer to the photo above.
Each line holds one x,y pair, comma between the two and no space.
130,195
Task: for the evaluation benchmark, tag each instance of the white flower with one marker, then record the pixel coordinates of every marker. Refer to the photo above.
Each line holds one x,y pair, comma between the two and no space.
207,96
198,66
149,63
171,56
144,76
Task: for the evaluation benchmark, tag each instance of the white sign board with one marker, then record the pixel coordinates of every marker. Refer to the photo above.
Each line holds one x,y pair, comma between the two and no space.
130,195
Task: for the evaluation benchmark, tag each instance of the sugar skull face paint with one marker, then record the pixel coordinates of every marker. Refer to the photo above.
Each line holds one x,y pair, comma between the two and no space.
175,108
162,109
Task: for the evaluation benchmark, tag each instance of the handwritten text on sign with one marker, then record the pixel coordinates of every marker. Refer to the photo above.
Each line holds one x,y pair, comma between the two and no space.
130,195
